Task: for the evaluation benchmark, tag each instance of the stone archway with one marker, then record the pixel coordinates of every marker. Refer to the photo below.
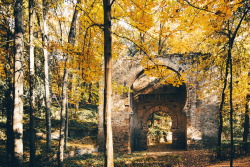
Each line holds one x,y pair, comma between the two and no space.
199,115
159,136
178,129
150,96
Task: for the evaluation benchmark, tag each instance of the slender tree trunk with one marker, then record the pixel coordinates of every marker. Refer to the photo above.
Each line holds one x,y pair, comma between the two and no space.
18,85
246,121
100,139
246,125
8,102
221,108
66,125
72,32
231,38
160,43
231,100
46,73
231,118
47,99
109,157
90,93
64,114
32,85
9,124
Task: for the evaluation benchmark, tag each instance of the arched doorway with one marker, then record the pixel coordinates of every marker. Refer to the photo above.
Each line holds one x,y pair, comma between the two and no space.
149,97
159,136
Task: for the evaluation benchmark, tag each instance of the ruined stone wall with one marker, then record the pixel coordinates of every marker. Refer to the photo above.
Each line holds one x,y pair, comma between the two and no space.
200,116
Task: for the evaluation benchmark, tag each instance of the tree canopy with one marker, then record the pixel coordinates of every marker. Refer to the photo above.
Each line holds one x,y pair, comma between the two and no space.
69,54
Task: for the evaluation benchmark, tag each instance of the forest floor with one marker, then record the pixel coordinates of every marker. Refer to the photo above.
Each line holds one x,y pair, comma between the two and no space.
197,158
240,162
202,158
160,156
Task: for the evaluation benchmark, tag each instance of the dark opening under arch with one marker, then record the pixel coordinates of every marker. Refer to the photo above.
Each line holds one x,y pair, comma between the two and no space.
159,131
151,96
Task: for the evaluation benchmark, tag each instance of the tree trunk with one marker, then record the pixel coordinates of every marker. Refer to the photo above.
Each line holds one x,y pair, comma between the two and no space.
72,32
71,40
221,108
246,125
8,101
45,40
66,125
101,142
64,114
231,101
231,38
32,85
160,42
90,93
108,137
18,85
9,124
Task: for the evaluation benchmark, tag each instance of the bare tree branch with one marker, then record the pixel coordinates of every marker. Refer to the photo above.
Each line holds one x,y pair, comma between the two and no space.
113,1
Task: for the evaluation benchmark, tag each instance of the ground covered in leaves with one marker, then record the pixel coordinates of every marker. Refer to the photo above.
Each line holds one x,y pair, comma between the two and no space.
156,156
152,157
161,156
194,158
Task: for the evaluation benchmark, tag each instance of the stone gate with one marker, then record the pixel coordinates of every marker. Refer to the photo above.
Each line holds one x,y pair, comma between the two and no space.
194,121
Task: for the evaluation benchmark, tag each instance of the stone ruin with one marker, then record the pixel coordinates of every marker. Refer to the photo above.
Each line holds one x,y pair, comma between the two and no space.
194,121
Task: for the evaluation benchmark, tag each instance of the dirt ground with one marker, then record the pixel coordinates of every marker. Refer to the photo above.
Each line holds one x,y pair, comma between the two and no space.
197,158
191,158
202,158
241,162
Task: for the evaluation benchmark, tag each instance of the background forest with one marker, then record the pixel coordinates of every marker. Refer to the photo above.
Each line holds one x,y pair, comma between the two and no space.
55,56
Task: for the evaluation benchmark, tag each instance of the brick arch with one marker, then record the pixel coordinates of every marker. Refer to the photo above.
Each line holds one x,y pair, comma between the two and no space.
199,115
133,72
151,96
166,109
179,126
175,67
